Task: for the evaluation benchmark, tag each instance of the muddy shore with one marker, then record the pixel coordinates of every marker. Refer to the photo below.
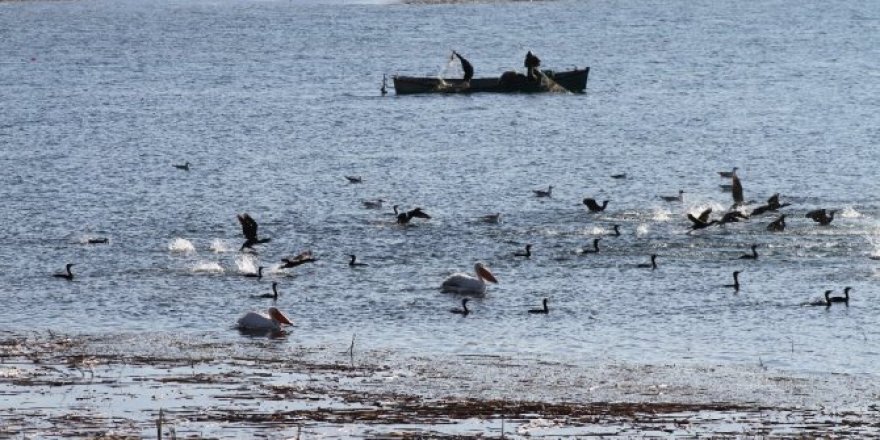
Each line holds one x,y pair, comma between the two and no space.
59,386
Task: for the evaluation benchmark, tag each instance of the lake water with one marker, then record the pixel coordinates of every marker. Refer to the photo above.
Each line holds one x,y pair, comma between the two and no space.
274,102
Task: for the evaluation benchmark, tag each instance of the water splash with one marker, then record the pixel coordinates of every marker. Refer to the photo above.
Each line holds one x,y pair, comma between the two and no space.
874,240
246,263
219,246
207,267
661,215
181,245
850,212
642,230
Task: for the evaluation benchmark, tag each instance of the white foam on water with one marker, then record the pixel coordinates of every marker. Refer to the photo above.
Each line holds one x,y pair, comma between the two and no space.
181,245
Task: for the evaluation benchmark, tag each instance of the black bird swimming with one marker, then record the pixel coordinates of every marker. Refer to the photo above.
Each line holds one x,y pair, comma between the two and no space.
821,216
837,299
619,176
735,284
98,240
258,274
527,253
752,256
249,229
728,174
355,179
702,221
833,299
652,265
595,207
302,258
678,198
544,310
384,89
273,296
404,217
777,225
594,250
463,311
67,274
355,263
542,193
184,167
616,232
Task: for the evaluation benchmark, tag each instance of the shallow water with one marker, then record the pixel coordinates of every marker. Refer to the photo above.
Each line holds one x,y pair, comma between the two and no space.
274,102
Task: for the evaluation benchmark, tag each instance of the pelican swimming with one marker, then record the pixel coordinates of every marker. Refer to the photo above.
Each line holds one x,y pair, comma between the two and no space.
468,284
463,311
542,193
821,216
678,198
271,321
355,179
67,274
355,263
527,253
544,310
184,167
593,206
735,284
652,265
249,229
303,258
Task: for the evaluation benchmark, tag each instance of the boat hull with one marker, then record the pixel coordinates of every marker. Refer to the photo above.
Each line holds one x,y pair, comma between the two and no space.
574,81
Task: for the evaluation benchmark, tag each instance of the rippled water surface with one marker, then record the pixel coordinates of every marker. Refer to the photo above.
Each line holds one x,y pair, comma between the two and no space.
274,102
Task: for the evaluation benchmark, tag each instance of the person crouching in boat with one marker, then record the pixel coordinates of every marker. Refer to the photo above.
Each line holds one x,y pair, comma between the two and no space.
532,63
467,67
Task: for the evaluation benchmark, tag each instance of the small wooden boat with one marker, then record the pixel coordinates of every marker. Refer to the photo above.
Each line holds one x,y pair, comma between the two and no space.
510,82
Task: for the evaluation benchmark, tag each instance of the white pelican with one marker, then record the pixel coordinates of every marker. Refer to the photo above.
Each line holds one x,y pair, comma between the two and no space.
467,284
270,321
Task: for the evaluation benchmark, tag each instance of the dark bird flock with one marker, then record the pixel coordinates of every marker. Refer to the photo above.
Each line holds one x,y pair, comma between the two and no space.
467,284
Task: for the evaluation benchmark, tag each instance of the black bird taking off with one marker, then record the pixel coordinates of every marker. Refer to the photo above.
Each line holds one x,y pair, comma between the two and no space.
595,207
821,216
404,217
249,229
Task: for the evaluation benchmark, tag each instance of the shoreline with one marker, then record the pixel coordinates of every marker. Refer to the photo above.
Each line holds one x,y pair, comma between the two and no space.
87,386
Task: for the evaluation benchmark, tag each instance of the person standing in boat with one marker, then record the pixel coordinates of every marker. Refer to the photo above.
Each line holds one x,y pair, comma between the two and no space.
532,63
467,67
